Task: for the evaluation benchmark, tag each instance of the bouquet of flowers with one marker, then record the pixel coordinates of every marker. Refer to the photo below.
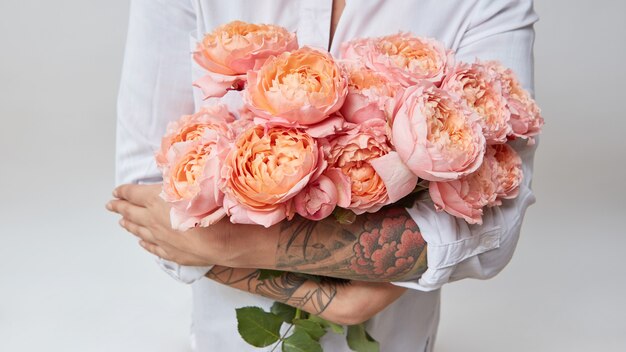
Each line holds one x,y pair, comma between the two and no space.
319,136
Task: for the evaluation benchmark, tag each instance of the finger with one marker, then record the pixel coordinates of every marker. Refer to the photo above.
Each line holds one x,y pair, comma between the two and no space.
139,231
137,194
154,249
132,212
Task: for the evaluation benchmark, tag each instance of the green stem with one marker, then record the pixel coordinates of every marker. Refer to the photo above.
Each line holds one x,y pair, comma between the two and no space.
298,312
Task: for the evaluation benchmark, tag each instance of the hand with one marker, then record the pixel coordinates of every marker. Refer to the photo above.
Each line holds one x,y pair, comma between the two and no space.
147,216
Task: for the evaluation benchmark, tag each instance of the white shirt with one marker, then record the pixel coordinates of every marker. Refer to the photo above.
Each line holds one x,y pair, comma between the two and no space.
156,88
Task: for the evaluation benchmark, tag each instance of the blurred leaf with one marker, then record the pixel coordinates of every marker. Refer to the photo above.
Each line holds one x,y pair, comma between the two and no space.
360,341
300,341
284,311
336,328
258,327
265,274
344,216
313,329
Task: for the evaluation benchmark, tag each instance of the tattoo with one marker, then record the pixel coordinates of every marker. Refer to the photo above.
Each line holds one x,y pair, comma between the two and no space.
285,288
386,245
230,276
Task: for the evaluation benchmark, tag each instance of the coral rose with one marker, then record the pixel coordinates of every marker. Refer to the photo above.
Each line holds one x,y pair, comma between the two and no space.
526,121
466,197
264,170
370,95
483,94
509,171
232,49
437,136
298,88
376,175
192,127
403,58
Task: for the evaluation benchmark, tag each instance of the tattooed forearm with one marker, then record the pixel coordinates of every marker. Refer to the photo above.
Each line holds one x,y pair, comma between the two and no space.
384,246
288,288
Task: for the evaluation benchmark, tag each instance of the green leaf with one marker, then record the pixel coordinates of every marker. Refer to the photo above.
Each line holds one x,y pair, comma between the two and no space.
336,328
344,216
313,329
284,311
258,327
265,274
360,341
300,341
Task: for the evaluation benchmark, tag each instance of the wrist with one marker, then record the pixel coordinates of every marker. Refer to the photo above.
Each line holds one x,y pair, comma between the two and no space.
250,246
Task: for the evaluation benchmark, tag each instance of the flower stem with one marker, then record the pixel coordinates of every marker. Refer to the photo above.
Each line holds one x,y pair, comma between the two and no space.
298,312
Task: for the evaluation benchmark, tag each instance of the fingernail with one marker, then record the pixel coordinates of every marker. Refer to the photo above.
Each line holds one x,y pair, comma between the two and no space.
122,222
109,206
142,243
115,193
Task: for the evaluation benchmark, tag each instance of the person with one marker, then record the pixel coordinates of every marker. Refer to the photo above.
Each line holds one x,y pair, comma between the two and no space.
399,298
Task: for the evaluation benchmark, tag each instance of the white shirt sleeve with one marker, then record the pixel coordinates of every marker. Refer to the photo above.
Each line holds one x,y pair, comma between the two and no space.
499,30
155,89
155,86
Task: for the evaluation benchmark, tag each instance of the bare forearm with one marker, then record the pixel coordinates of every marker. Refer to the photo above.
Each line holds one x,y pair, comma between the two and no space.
385,246
343,304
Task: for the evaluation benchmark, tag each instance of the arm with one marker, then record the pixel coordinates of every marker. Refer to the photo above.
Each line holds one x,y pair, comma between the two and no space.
343,304
384,246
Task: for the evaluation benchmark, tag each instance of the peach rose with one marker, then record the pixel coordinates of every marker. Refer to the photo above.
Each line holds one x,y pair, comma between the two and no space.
403,58
192,127
264,170
370,95
437,136
191,181
483,94
376,174
298,88
526,121
466,197
508,172
232,49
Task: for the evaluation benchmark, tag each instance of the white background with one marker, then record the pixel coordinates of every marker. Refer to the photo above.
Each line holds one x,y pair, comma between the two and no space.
71,280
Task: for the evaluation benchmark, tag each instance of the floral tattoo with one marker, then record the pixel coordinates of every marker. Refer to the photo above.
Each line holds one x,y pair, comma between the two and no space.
383,246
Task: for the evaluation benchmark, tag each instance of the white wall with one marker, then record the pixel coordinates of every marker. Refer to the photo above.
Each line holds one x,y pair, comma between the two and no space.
71,280
564,288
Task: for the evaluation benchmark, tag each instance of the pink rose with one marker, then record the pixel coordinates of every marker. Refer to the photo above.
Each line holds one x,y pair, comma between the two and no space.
320,197
376,174
483,94
370,95
192,127
298,88
437,136
264,170
232,49
191,179
508,172
526,121
403,58
466,197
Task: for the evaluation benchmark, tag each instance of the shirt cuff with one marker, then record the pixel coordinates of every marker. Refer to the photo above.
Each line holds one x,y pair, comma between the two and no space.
183,273
450,241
